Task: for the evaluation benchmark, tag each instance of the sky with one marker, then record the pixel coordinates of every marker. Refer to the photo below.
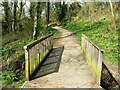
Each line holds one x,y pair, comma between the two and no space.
28,2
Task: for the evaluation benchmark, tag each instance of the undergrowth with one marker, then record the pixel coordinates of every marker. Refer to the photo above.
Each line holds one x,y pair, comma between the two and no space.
13,56
101,32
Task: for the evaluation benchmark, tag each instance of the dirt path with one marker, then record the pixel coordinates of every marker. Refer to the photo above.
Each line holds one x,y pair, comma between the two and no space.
73,71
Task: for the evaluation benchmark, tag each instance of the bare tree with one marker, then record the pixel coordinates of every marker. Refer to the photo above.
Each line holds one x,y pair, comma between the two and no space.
47,14
113,14
20,18
36,20
14,16
6,11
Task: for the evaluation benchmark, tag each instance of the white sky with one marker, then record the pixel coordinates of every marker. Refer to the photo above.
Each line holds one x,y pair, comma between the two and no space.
28,2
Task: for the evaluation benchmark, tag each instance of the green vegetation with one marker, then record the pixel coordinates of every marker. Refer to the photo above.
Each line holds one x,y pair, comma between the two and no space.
20,24
9,78
14,59
51,30
100,32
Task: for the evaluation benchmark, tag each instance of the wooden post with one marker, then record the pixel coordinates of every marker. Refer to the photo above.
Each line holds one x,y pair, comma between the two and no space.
93,54
52,41
99,66
35,52
27,69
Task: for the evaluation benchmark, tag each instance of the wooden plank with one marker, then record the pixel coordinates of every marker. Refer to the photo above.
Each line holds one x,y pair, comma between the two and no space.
31,60
35,52
37,41
35,57
93,54
94,44
42,51
38,54
27,72
99,65
47,46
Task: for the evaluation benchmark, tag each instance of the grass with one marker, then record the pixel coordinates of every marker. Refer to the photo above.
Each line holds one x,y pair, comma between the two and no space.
9,78
51,30
13,57
100,32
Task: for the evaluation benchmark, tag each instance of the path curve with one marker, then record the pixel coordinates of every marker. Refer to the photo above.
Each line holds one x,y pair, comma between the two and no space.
73,72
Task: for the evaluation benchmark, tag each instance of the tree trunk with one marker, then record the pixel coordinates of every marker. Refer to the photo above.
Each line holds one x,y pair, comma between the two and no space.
36,21
113,14
21,7
47,15
6,11
14,16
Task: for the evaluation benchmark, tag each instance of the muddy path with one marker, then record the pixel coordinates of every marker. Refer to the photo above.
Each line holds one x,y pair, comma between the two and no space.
72,70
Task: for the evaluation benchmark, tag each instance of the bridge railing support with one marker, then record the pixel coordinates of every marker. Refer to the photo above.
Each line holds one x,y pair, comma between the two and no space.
93,54
35,52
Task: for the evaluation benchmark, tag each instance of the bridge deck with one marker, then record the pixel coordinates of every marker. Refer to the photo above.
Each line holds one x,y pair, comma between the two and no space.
65,66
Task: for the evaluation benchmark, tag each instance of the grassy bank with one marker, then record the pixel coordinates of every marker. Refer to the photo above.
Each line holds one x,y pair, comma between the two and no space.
13,56
100,32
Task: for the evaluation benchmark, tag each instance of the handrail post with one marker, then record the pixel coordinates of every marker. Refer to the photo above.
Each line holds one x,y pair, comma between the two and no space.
99,66
33,54
27,70
93,54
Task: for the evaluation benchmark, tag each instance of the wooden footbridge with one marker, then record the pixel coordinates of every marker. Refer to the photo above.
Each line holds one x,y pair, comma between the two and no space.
63,63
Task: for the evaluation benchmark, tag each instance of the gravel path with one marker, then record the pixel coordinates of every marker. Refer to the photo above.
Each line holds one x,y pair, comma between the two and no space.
73,71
